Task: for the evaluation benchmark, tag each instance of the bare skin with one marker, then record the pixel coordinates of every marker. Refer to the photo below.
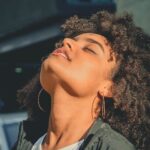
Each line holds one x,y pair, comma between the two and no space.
73,81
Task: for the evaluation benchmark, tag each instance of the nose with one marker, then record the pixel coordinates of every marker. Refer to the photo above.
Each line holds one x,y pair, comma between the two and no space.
69,43
70,46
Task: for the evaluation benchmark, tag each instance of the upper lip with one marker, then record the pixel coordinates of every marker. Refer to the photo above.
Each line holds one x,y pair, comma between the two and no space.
63,51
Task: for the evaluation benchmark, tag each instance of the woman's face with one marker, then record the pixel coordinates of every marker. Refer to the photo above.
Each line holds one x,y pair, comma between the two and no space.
81,66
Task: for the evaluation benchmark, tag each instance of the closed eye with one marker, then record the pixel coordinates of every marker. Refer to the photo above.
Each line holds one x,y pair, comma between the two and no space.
89,50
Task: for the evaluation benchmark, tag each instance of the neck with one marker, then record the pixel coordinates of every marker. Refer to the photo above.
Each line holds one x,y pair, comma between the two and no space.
70,119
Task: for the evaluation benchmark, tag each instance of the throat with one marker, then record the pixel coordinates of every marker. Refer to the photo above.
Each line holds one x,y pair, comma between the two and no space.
69,121
69,136
67,127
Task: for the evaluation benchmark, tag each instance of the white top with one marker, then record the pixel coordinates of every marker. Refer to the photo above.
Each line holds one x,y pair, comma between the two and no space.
38,145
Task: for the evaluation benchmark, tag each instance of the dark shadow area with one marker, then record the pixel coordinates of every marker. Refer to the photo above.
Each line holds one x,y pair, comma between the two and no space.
29,31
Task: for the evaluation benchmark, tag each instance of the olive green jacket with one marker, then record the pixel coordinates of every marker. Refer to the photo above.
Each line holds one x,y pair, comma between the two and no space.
100,137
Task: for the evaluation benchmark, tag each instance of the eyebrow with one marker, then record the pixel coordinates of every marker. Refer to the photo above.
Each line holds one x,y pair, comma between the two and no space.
95,42
91,41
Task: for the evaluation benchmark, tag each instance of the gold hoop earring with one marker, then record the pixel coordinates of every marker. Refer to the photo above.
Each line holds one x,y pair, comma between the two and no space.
39,105
92,107
103,107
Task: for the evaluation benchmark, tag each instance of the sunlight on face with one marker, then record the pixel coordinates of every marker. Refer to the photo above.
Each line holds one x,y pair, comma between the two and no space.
81,64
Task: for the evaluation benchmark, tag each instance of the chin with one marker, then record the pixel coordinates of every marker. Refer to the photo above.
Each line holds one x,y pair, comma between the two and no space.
46,65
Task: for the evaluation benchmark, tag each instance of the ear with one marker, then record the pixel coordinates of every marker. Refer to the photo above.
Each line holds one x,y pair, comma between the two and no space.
106,88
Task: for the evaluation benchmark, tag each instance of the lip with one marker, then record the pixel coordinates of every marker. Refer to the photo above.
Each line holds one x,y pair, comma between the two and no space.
61,52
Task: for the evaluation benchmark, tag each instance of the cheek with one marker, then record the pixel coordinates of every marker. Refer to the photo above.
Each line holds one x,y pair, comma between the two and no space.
86,78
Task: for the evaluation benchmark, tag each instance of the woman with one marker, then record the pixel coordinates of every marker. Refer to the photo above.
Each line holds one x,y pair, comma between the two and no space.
95,89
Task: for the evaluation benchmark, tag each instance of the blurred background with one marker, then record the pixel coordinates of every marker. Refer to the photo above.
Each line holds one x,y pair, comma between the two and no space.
29,30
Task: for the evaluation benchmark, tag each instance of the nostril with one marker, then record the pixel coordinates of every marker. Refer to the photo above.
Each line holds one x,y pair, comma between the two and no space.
68,45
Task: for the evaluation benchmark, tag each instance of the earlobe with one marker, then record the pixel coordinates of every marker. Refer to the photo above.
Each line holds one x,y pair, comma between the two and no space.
106,89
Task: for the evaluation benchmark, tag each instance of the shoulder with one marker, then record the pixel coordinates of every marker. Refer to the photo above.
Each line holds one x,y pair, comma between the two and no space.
112,140
22,142
29,132
102,137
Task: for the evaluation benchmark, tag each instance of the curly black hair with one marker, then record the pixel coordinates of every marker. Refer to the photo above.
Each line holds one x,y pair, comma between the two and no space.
129,113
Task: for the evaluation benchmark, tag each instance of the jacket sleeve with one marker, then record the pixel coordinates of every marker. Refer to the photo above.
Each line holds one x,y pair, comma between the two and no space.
16,145
22,142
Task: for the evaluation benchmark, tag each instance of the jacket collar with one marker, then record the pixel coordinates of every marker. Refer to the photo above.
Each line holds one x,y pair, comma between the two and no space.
97,125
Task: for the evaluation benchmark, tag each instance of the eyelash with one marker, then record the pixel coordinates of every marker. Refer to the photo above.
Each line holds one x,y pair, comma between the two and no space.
86,48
